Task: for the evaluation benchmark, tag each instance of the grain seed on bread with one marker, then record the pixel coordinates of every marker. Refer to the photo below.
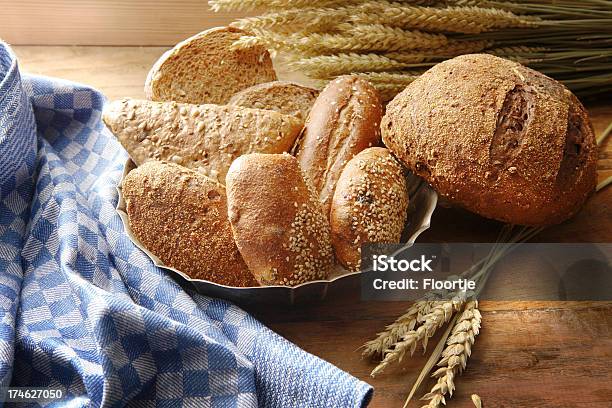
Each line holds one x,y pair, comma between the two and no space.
181,217
370,204
206,69
497,138
206,138
343,121
277,221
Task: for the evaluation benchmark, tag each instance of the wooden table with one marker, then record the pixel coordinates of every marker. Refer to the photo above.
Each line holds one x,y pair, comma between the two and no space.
529,354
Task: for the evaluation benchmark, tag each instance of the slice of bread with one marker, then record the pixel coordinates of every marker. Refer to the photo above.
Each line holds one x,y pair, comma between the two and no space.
206,138
281,96
205,69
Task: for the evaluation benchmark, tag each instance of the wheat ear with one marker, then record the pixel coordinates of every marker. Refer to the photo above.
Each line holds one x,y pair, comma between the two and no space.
405,323
455,355
440,314
364,38
249,5
471,20
288,21
327,66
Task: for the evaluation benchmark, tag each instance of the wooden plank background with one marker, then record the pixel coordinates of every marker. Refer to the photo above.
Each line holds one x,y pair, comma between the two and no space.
106,22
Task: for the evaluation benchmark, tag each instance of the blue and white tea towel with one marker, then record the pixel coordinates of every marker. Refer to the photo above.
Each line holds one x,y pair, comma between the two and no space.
83,310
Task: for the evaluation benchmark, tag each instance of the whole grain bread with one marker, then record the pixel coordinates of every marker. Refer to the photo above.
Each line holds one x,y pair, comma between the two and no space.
181,217
370,204
206,69
206,138
277,221
285,97
344,120
497,138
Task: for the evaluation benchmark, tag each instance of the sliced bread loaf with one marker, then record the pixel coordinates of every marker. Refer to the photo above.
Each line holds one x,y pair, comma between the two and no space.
206,138
281,96
205,69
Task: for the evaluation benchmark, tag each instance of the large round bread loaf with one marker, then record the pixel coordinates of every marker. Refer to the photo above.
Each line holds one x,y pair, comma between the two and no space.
180,216
344,120
277,221
370,204
497,138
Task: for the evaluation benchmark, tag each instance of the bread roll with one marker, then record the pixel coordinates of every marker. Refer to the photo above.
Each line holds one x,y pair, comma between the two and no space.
343,121
497,138
206,69
277,222
370,204
284,97
206,138
181,217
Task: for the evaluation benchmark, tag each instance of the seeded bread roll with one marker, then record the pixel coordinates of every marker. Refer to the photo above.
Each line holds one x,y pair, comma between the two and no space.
278,223
497,138
284,97
206,138
343,121
205,69
370,204
181,217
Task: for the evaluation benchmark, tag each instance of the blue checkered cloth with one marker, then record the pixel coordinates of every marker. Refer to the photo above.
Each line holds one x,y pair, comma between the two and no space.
84,310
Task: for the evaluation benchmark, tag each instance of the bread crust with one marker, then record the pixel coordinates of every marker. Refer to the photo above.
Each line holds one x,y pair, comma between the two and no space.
344,120
278,224
205,69
181,217
206,138
370,204
288,98
497,138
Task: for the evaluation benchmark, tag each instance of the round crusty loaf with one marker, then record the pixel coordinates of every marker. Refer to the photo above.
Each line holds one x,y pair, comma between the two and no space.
277,221
181,217
370,204
344,120
284,97
497,138
205,69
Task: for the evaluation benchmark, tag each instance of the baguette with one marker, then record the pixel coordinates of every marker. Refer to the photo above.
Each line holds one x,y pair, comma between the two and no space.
206,138
343,121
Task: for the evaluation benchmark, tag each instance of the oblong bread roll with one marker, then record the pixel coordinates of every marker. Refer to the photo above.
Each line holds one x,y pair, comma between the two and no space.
181,217
370,204
277,221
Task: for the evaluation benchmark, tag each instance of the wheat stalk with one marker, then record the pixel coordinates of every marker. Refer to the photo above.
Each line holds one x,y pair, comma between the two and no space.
249,5
327,66
477,400
455,355
403,324
450,19
365,38
440,314
288,21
